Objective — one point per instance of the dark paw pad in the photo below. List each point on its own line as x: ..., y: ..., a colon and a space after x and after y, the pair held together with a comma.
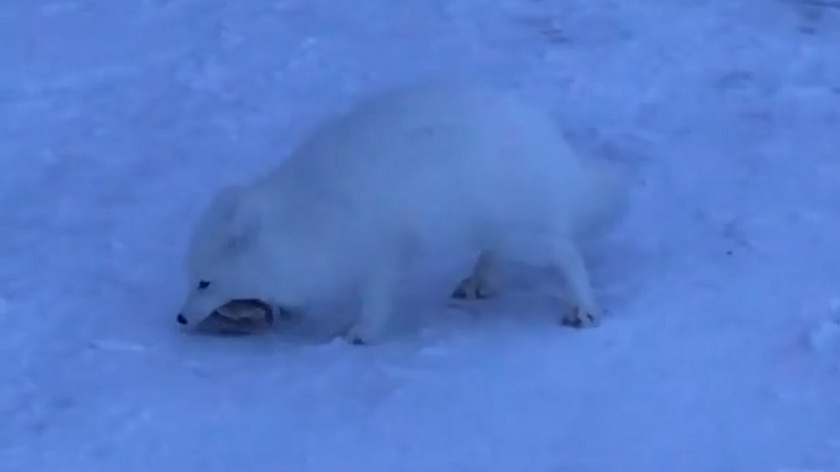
x: 459, y: 293
x: 469, y: 291
x: 572, y: 322
x: 580, y: 321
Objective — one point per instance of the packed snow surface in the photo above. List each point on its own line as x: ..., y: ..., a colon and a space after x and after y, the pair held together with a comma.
x: 720, y: 350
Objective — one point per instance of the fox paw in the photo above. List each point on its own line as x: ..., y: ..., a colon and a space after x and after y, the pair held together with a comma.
x: 472, y: 289
x: 357, y: 337
x: 578, y: 317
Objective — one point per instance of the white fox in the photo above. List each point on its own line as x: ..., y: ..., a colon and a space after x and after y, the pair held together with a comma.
x: 428, y: 166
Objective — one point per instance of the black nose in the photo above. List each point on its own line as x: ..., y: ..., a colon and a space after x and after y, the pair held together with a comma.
x: 180, y: 319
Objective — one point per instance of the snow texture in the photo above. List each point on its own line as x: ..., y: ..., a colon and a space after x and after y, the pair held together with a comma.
x: 720, y: 350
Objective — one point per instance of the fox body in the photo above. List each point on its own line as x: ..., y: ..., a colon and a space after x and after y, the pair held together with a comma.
x: 427, y: 166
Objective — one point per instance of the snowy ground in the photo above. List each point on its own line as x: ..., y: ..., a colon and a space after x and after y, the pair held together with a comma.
x: 721, y: 350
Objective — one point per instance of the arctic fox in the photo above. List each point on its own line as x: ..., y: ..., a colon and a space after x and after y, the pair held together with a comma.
x: 428, y: 166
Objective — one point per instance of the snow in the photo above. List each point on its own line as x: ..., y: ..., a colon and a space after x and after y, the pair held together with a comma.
x: 721, y: 348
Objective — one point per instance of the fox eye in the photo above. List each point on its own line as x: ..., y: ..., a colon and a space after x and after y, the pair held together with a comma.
x: 203, y: 284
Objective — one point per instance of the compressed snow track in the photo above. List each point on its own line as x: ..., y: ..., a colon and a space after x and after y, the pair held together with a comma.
x: 720, y: 351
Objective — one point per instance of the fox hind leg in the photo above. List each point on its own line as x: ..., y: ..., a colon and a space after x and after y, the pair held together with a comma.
x: 482, y: 283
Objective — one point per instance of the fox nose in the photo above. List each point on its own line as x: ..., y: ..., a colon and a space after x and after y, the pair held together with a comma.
x: 181, y: 319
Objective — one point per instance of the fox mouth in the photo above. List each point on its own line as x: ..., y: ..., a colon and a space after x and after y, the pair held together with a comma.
x: 239, y: 317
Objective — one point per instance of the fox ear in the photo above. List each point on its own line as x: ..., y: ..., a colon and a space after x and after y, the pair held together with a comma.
x: 239, y: 215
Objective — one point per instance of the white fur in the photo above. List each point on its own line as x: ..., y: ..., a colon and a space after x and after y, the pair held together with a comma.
x: 433, y: 166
